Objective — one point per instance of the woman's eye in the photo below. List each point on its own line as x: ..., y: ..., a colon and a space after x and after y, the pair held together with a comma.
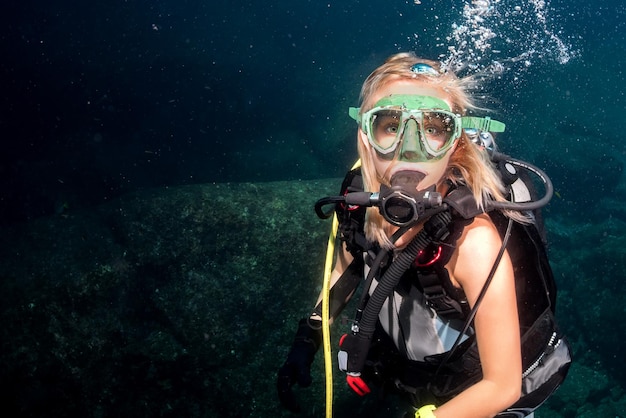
x: 387, y: 124
x: 392, y: 128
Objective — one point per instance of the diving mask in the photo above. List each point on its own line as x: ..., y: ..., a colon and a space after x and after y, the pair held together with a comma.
x: 397, y: 118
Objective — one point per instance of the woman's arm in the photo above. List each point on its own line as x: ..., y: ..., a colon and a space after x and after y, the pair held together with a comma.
x: 496, y: 323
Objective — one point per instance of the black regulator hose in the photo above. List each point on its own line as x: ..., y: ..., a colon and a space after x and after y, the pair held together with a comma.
x: 319, y: 205
x: 368, y: 199
x: 354, y: 198
x: 524, y: 206
x: 357, y: 344
x: 392, y: 276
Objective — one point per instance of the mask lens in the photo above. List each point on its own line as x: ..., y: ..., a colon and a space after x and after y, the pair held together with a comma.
x: 439, y: 130
x: 385, y: 124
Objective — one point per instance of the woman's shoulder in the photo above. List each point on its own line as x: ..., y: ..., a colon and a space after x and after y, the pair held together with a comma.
x: 481, y: 228
x: 476, y: 249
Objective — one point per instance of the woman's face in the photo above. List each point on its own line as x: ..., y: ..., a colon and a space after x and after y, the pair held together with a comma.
x: 433, y: 171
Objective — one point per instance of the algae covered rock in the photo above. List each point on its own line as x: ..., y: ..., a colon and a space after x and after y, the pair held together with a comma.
x: 180, y: 301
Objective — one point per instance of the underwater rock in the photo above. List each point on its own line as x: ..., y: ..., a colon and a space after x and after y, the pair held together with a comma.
x: 180, y: 301
x: 184, y: 301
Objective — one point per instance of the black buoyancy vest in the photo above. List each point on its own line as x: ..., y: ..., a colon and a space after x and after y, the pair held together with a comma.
x: 534, y: 281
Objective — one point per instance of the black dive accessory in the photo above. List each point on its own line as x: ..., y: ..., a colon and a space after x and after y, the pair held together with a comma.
x: 508, y: 168
x: 401, y: 204
x: 355, y: 346
x: 297, y: 368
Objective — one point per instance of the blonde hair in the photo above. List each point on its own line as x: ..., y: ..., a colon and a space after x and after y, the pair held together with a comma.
x: 468, y: 164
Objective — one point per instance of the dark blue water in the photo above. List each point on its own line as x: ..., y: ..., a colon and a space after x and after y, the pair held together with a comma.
x: 104, y: 98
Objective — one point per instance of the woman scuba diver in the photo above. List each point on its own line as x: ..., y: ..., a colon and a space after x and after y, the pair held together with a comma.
x: 457, y: 305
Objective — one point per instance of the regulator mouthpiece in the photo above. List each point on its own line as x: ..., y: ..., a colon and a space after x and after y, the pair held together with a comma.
x: 403, y: 204
x: 407, y: 179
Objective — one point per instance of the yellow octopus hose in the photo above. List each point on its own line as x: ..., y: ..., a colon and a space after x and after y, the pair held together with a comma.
x: 328, y: 268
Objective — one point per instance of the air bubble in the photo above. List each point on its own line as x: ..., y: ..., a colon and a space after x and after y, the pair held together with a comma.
x: 481, y: 31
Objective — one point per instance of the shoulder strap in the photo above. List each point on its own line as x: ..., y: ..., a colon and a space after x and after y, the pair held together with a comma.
x: 352, y: 218
x: 461, y: 199
x: 434, y: 278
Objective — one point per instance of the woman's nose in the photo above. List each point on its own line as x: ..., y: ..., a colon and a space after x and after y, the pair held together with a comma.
x: 411, y: 145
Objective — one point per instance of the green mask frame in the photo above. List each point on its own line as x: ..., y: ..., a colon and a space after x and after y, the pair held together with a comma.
x: 434, y: 140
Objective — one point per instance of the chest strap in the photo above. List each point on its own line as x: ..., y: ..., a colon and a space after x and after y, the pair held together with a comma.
x: 438, y: 297
x: 434, y: 280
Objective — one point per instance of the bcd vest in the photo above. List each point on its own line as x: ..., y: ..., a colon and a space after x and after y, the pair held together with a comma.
x: 545, y: 353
